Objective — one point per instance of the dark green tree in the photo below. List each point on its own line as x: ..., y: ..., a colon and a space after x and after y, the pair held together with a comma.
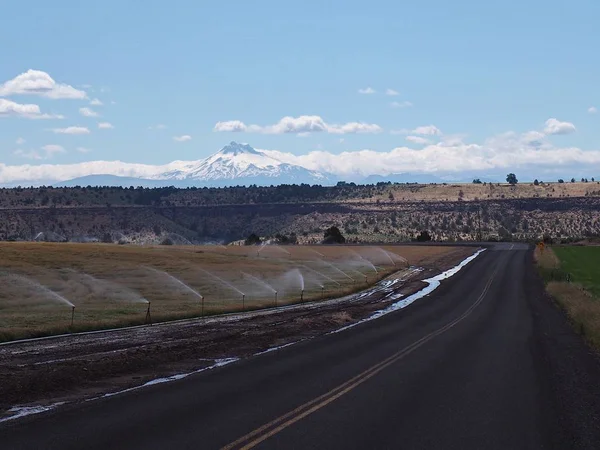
x: 333, y: 235
x: 253, y: 239
x: 424, y: 236
x: 511, y: 179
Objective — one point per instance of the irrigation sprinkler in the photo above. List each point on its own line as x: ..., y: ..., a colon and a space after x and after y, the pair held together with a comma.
x: 72, y: 315
x: 148, y: 316
x: 243, y: 302
x: 366, y: 279
x: 202, y: 303
x: 322, y: 292
x: 275, y: 298
x: 302, y: 295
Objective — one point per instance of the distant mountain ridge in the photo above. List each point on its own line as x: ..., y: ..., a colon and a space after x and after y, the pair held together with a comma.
x: 234, y: 164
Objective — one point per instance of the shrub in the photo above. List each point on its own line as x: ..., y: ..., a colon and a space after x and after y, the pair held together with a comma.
x: 333, y: 235
x: 253, y: 239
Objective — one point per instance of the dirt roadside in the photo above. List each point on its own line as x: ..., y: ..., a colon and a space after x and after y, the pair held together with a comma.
x: 72, y: 368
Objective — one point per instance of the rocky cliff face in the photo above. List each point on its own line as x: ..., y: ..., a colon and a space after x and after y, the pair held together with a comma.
x: 358, y: 221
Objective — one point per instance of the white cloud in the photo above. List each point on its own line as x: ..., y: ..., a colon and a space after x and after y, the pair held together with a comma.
x: 48, y: 151
x: 404, y: 104
x: 9, y: 108
x: 417, y: 140
x: 51, y: 149
x: 592, y: 110
x: 427, y: 130
x: 36, y: 82
x: 235, y: 126
x: 183, y: 138
x: 105, y: 125
x: 28, y: 154
x: 71, y: 130
x: 88, y: 112
x: 61, y: 172
x: 508, y: 152
x: 297, y: 125
x: 96, y: 102
x: 391, y: 92
x: 83, y: 150
x: 20, y: 141
x: 555, y: 126
x: 367, y: 91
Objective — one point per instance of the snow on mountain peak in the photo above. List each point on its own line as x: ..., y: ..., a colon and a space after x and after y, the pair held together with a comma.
x: 242, y: 162
x: 233, y: 148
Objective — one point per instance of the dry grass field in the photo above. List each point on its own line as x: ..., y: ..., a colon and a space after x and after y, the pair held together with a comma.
x: 489, y: 191
x: 111, y: 285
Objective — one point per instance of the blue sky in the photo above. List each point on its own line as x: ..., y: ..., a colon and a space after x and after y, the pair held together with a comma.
x: 475, y: 70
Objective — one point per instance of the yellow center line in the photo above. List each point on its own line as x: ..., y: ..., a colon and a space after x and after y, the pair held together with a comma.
x: 314, y: 405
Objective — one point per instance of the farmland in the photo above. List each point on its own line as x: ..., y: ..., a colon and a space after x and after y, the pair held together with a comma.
x: 580, y: 298
x: 48, y: 285
x: 583, y: 263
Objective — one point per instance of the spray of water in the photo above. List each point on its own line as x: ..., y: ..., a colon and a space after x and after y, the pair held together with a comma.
x: 226, y: 283
x: 274, y: 247
x: 299, y: 276
x: 318, y: 253
x: 40, y: 287
x: 132, y: 296
x: 337, y: 270
x: 396, y: 257
x: 178, y: 282
x: 320, y: 274
x: 358, y: 272
x: 365, y: 260
x: 386, y: 253
x: 260, y: 282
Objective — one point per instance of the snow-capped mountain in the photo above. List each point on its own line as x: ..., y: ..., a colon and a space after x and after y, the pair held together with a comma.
x: 234, y: 164
x: 240, y: 162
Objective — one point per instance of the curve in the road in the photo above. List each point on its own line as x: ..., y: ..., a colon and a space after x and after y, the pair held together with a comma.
x: 486, y: 362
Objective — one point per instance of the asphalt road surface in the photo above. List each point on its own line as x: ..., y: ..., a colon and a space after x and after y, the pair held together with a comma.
x: 485, y: 362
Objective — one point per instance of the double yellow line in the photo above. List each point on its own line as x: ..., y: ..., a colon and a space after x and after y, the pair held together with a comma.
x: 264, y: 432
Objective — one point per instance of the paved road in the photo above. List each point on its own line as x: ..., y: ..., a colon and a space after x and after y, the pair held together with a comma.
x: 484, y: 362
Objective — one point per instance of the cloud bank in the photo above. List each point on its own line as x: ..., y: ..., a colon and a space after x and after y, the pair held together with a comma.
x: 297, y: 125
x: 532, y: 152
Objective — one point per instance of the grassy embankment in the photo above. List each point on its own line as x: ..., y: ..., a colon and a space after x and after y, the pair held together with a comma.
x: 580, y: 297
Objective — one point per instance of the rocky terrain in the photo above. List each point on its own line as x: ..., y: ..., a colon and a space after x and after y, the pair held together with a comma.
x: 373, y: 213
